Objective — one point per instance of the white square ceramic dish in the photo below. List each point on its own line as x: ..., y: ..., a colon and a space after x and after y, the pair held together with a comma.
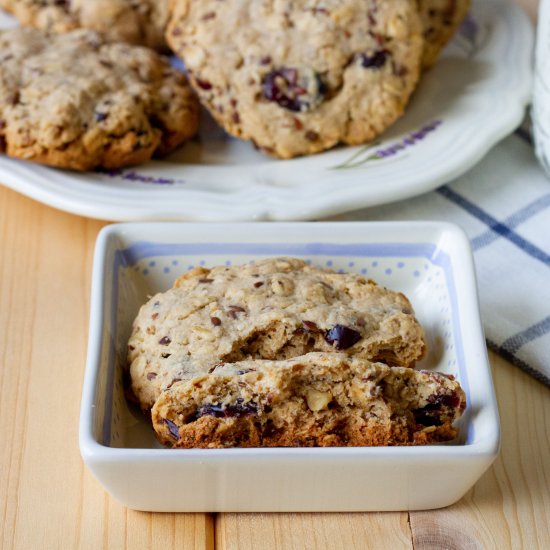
x: 430, y: 262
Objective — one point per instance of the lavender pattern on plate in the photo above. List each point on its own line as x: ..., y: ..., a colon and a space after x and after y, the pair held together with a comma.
x: 375, y: 152
x: 133, y: 176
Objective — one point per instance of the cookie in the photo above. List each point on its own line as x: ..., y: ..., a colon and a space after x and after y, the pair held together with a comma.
x: 275, y: 309
x: 140, y: 22
x: 74, y: 101
x: 295, y: 77
x: 318, y: 400
x: 441, y: 19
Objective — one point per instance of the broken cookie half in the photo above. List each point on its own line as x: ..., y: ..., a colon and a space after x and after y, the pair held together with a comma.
x: 319, y: 399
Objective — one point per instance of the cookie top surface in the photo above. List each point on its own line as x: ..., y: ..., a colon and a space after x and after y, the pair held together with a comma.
x: 298, y: 77
x: 274, y: 309
x: 139, y: 22
x: 76, y: 102
x: 315, y: 399
x: 441, y: 19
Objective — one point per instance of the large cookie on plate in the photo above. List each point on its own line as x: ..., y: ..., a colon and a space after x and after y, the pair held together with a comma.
x: 317, y: 400
x: 274, y: 309
x: 441, y: 19
x: 75, y: 101
x: 139, y: 22
x: 298, y: 77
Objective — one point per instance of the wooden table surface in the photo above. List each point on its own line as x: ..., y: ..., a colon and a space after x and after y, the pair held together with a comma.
x: 48, y: 499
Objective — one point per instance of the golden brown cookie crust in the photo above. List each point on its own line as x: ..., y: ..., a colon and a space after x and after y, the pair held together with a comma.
x: 74, y: 101
x: 140, y: 22
x: 297, y: 78
x: 320, y: 399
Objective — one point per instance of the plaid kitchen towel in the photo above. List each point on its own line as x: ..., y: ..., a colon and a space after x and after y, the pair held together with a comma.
x: 503, y: 204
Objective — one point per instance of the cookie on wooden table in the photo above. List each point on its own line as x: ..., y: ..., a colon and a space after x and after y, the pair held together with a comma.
x: 319, y: 399
x: 140, y: 22
x: 74, y: 101
x: 278, y: 308
x: 298, y: 77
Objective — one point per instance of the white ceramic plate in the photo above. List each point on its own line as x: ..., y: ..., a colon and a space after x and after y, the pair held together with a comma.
x: 472, y: 98
x: 430, y: 262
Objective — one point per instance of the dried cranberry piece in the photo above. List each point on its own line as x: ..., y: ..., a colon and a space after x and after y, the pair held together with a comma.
x: 238, y: 409
x: 203, y: 84
x: 293, y: 89
x: 342, y: 337
x: 211, y: 410
x: 430, y: 415
x: 241, y: 408
x: 451, y: 400
x: 375, y: 61
x: 427, y: 418
x: 172, y: 428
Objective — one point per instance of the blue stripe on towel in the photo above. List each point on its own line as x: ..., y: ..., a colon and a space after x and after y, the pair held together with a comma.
x: 514, y: 343
x: 513, y: 221
x: 496, y: 226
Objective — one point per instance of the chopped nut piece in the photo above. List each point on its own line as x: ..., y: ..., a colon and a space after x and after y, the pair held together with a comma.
x: 318, y: 400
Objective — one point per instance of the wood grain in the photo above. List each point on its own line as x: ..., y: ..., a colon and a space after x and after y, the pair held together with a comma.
x: 298, y: 531
x: 47, y: 498
x: 510, y: 506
